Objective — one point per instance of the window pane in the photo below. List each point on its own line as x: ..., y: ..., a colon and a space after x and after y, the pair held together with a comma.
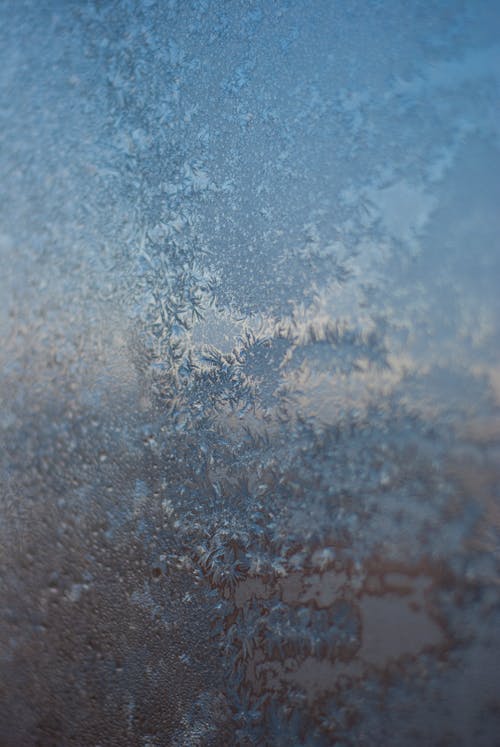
x: 250, y: 373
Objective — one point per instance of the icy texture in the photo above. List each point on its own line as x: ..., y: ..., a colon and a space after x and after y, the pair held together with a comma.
x: 250, y: 373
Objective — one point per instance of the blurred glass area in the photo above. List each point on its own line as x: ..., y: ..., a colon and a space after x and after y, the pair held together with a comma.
x: 250, y: 373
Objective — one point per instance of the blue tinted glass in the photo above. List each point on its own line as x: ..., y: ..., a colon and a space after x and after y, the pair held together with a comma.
x: 250, y: 373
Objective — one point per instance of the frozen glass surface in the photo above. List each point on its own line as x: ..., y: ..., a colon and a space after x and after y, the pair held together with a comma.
x: 250, y: 373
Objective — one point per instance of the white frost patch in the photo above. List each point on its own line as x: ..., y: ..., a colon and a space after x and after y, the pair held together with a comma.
x: 404, y: 209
